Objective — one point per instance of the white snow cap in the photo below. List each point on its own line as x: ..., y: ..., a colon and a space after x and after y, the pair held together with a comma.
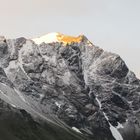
x: 48, y: 38
x: 57, y: 37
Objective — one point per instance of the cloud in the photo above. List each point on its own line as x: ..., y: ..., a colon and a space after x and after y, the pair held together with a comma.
x: 45, y: 7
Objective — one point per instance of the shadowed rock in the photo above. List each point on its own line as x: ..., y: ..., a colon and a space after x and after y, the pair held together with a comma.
x: 66, y: 85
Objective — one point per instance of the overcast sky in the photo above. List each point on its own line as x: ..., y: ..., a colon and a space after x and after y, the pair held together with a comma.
x: 114, y: 25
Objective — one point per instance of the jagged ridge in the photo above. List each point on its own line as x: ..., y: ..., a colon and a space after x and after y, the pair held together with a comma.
x: 72, y: 84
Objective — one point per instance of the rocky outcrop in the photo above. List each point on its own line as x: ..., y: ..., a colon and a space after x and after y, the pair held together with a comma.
x: 76, y: 86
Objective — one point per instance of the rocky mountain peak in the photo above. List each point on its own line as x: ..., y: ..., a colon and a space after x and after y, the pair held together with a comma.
x: 72, y: 86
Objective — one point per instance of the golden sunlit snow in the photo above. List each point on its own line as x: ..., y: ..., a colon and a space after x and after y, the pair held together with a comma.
x: 57, y: 37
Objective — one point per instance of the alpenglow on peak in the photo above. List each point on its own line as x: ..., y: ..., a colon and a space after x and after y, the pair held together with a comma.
x: 57, y: 37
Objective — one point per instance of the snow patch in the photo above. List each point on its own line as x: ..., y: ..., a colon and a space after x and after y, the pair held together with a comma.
x: 76, y: 129
x: 115, y: 133
x: 57, y: 37
x: 99, y: 103
x: 119, y: 126
x: 58, y: 104
x: 49, y: 38
x: 41, y: 96
x: 13, y: 105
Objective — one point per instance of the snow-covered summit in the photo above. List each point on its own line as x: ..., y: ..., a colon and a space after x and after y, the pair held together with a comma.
x: 57, y: 37
x: 48, y: 38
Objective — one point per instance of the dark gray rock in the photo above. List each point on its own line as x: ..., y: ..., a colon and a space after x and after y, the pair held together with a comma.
x: 75, y: 85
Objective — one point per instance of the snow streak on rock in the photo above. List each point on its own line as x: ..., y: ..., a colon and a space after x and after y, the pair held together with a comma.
x: 76, y: 129
x: 116, y: 134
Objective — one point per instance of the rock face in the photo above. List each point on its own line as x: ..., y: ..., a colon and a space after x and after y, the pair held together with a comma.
x: 73, y: 91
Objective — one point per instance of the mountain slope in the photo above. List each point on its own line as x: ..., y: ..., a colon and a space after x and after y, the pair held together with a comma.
x: 77, y: 89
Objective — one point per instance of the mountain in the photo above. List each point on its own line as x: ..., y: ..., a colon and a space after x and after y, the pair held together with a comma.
x: 59, y: 87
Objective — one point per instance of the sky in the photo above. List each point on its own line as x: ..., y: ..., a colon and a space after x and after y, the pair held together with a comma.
x: 113, y: 25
